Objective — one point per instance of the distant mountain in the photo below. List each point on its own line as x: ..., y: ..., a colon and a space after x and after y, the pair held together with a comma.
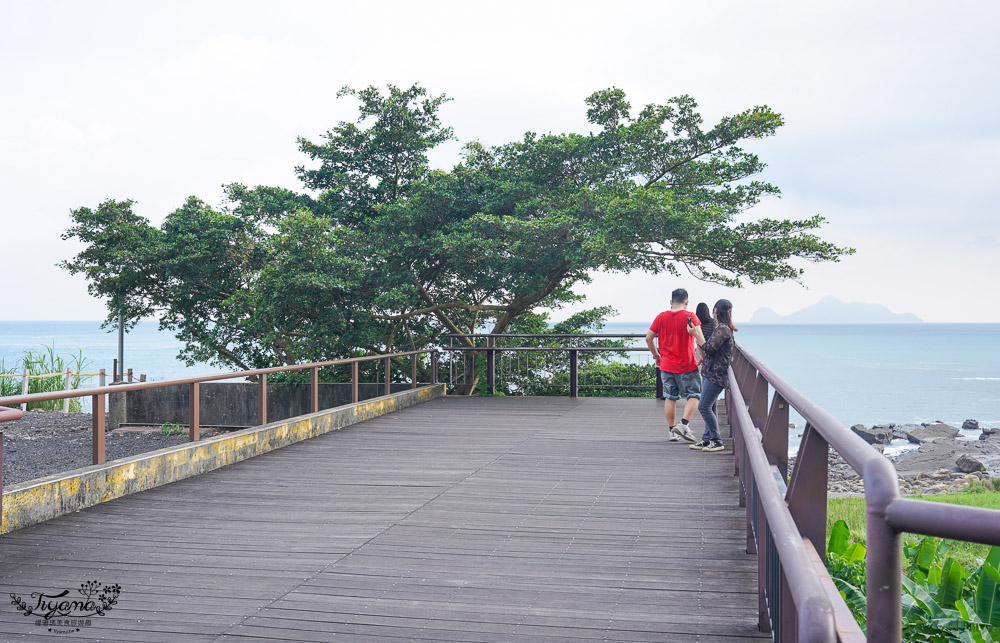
x: 831, y: 310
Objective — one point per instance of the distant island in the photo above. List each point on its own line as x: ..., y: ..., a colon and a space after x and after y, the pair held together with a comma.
x: 831, y: 310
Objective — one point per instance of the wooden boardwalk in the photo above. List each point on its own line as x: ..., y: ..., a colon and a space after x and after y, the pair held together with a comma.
x: 463, y: 519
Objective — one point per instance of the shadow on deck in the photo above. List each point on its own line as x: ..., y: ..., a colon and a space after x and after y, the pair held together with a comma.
x: 463, y: 519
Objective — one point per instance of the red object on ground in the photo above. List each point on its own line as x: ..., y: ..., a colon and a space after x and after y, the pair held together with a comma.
x: 6, y: 414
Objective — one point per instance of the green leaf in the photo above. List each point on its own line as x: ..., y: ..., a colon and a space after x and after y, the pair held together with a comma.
x: 923, y: 599
x: 924, y: 555
x: 855, y: 553
x: 951, y: 582
x: 987, y: 596
x: 840, y: 537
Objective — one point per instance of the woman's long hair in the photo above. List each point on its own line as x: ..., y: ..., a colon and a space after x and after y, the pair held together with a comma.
x: 724, y: 313
x: 703, y: 313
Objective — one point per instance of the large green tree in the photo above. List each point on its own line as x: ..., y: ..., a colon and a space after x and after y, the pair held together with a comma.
x: 379, y: 252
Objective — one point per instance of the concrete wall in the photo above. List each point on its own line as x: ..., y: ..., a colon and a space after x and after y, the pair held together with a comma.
x: 35, y: 501
x: 230, y: 403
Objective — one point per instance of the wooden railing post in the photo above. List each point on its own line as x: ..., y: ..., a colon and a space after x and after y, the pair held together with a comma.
x: 314, y: 390
x: 97, y: 426
x: 194, y: 412
x: 388, y: 375
x: 413, y: 371
x: 574, y: 373
x: 262, y: 398
x: 354, y: 381
x: 434, y: 367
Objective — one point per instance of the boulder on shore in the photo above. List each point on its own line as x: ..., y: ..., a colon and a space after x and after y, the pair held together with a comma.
x: 970, y: 425
x: 932, y: 433
x: 874, y: 435
x: 967, y: 464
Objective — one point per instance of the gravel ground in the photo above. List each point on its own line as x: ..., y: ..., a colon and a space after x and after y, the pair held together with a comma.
x: 44, y: 443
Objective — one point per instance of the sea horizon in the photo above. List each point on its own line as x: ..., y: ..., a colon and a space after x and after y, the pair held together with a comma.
x: 877, y: 373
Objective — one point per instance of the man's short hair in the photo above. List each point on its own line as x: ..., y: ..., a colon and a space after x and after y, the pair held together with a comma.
x: 678, y: 296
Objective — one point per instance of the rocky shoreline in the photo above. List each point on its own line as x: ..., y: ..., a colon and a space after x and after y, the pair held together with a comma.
x: 941, y: 462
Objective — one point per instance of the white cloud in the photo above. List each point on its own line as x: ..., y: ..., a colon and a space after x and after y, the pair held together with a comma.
x: 889, y: 106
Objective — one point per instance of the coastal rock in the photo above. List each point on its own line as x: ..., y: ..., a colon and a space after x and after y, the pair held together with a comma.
x: 968, y: 464
x: 970, y: 425
x: 902, y: 431
x: 874, y: 435
x: 932, y: 433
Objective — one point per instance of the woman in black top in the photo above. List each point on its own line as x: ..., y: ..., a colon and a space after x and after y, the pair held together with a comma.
x: 718, y: 352
x: 707, y: 325
x: 705, y: 317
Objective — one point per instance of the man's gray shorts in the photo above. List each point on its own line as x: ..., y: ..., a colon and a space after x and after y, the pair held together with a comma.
x: 675, y: 383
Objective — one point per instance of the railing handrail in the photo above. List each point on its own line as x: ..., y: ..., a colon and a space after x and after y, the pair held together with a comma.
x: 957, y: 522
x: 136, y: 386
x: 813, y: 608
x: 888, y: 514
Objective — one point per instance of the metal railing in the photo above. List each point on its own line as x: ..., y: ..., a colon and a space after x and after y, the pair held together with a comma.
x: 527, y: 369
x: 786, y: 527
x: 97, y: 394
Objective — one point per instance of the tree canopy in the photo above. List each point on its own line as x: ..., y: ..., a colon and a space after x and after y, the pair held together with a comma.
x: 379, y: 252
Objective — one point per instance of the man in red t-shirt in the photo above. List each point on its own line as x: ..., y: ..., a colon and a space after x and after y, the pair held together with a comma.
x: 674, y: 354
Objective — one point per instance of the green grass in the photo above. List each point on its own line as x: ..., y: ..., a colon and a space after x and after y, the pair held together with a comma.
x: 38, y: 363
x: 852, y: 511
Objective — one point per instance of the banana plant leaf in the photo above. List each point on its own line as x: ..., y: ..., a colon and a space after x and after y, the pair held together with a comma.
x: 840, y: 537
x: 951, y: 583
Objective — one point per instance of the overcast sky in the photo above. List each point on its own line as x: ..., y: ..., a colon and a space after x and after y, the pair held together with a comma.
x: 891, y: 128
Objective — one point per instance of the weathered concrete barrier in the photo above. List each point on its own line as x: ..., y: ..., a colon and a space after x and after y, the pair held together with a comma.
x: 39, y: 500
x: 231, y: 403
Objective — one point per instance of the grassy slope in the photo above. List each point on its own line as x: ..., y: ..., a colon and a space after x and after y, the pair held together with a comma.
x: 852, y: 511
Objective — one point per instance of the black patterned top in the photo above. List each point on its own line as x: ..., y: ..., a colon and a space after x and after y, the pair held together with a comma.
x: 718, y: 350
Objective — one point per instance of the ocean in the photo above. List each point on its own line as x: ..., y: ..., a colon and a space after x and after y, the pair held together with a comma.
x: 861, y: 373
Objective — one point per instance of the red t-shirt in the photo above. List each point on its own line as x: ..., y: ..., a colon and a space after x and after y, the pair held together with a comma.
x: 676, y: 345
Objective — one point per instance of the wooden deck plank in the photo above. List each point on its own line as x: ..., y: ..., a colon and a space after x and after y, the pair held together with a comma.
x: 464, y: 519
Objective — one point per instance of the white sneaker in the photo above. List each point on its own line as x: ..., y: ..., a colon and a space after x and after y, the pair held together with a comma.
x: 674, y: 436
x: 683, y: 432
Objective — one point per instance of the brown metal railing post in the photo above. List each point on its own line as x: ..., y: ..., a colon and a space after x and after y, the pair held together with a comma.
x: 262, y: 398
x: 789, y: 618
x: 659, y: 382
x: 434, y: 367
x: 491, y: 374
x: 413, y: 371
x: 775, y: 439
x: 97, y: 424
x: 354, y: 381
x: 194, y: 411
x: 883, y: 560
x: 750, y: 503
x: 388, y: 375
x: 757, y: 405
x: 314, y: 390
x: 574, y: 373
x: 806, y: 494
x: 763, y: 552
